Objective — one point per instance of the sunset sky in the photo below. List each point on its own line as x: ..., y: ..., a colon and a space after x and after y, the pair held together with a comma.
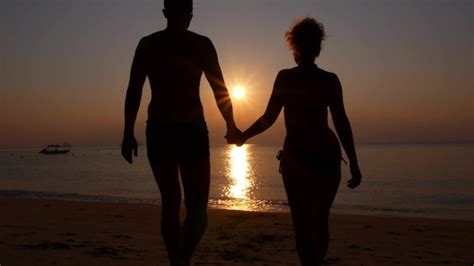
x: 407, y: 67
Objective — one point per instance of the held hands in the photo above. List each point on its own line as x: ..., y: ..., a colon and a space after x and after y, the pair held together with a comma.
x: 235, y: 136
x: 129, y: 147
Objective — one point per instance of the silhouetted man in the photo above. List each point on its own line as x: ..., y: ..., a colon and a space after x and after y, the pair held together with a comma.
x: 177, y: 138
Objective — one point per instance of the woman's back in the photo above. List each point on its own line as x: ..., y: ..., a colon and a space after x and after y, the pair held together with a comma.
x: 306, y: 93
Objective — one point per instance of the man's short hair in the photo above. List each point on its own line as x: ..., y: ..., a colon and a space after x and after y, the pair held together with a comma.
x: 178, y: 5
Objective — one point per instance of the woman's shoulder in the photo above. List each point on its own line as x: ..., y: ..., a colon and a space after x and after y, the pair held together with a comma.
x: 331, y: 80
x: 288, y: 74
x: 327, y: 74
x: 327, y: 77
x: 283, y: 74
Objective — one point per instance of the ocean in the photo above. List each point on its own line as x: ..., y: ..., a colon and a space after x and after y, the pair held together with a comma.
x: 416, y: 180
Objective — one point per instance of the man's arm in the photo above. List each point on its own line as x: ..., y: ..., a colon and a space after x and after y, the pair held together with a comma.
x: 132, y: 102
x: 213, y: 73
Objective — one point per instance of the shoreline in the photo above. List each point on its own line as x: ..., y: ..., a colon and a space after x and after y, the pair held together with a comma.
x: 49, y: 232
x: 273, y: 206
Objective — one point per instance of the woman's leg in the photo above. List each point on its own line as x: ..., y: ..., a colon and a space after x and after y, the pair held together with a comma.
x: 195, y: 175
x: 298, y: 186
x: 166, y: 176
x: 324, y: 195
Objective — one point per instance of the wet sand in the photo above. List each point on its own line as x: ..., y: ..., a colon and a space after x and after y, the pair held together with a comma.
x: 45, y: 232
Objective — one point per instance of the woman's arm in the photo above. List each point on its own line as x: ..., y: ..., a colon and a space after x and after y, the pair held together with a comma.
x: 344, y: 131
x: 275, y: 104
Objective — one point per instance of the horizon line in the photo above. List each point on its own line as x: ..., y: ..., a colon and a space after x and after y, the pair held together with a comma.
x: 375, y: 143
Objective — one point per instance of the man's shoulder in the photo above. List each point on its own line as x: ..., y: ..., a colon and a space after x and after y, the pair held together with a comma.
x: 192, y: 36
x: 204, y: 40
x: 196, y: 35
x: 153, y: 36
x: 285, y: 72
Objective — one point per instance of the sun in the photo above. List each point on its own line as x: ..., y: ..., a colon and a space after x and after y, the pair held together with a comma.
x: 238, y: 92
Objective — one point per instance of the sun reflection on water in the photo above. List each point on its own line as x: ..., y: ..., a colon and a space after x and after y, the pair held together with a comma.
x: 240, y: 178
x: 239, y: 173
x: 240, y: 188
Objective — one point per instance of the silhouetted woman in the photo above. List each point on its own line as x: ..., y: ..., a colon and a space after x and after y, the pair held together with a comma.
x: 310, y: 161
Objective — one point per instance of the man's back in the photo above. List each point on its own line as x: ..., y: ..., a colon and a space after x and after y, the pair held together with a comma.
x: 174, y: 63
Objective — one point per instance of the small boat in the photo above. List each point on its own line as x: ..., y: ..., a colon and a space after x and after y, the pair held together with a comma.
x: 55, y: 149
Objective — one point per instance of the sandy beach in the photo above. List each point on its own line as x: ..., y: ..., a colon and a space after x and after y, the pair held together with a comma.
x: 45, y: 232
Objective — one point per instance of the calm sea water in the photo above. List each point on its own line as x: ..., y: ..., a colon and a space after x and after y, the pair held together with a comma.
x: 405, y: 180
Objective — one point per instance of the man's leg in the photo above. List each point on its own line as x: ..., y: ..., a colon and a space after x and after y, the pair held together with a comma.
x: 166, y: 176
x: 195, y: 175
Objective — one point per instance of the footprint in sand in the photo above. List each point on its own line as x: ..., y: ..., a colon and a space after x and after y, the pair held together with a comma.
x: 47, y: 245
x: 122, y: 236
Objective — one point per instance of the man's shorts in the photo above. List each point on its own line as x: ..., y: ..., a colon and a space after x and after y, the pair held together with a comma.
x: 177, y: 141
